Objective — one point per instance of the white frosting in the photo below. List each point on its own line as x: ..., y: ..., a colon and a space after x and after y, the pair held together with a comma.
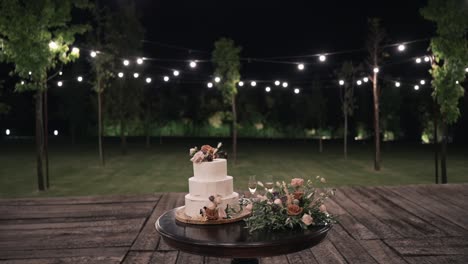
x: 198, y: 188
x: 193, y: 204
x: 215, y: 170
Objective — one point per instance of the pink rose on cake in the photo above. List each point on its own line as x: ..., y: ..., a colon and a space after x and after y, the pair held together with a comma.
x: 198, y: 157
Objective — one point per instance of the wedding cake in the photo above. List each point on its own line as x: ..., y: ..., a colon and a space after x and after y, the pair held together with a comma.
x: 211, y: 190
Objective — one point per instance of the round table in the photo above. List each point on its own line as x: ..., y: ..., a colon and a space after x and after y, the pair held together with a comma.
x: 234, y: 240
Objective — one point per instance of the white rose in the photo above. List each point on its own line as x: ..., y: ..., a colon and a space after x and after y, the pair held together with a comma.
x: 278, y: 202
x: 307, y: 219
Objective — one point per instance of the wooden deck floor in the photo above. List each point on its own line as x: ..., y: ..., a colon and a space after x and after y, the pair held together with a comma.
x: 409, y: 224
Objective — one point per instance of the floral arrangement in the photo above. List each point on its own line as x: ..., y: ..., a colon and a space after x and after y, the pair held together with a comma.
x: 214, y: 211
x: 206, y: 153
x: 298, y: 204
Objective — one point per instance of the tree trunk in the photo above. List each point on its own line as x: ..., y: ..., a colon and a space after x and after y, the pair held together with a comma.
x: 345, y: 139
x: 40, y: 140
x: 320, y: 144
x: 376, y: 122
x: 443, y: 161
x: 101, y: 150
x: 73, y: 133
x: 46, y: 137
x: 436, y: 148
x: 234, y: 129
x: 123, y: 137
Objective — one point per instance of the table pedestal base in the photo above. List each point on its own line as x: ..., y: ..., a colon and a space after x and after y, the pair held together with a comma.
x: 244, y: 261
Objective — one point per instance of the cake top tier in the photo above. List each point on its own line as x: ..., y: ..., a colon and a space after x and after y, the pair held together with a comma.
x: 210, y: 171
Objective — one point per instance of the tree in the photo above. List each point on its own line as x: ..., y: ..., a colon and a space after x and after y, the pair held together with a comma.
x: 4, y: 108
x: 36, y: 36
x: 449, y: 61
x: 374, y: 46
x: 226, y: 60
x: 347, y: 74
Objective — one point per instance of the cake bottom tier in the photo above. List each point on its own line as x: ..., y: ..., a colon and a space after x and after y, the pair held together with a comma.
x: 194, y: 204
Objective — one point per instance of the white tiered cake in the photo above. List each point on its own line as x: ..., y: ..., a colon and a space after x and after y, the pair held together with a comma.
x: 210, y: 178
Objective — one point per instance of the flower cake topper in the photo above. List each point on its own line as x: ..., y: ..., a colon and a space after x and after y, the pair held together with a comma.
x: 206, y: 153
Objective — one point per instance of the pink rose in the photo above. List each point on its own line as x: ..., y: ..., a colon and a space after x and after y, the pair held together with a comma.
x: 222, y: 214
x: 198, y: 157
x: 307, y: 219
x: 323, y: 208
x: 278, y: 202
x: 297, y: 182
x: 249, y: 207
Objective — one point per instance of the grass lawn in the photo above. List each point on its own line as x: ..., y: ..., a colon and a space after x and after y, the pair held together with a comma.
x: 75, y: 170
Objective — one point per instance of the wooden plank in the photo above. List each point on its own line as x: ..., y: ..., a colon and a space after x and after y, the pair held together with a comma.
x: 213, y: 260
x: 99, y: 199
x: 148, y: 238
x: 381, y: 252
x: 363, y: 216
x: 433, y: 246
x: 179, y: 201
x: 186, y: 258
x: 399, y: 218
x: 123, y: 210
x: 448, y: 227
x: 138, y: 257
x: 349, y: 248
x: 302, y: 257
x: 112, y: 252
x: 166, y: 257
x: 461, y: 259
x: 71, y: 260
x: 436, y: 206
x: 326, y: 253
x: 81, y: 224
x: 274, y: 260
x: 448, y: 195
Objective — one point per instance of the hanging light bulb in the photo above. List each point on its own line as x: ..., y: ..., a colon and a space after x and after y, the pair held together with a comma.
x: 166, y: 78
x: 401, y: 47
x: 120, y: 74
x: 210, y: 85
x: 359, y: 82
x: 466, y: 69
x: 56, y: 132
x: 75, y: 51
x: 193, y: 64
x: 422, y: 82
x: 285, y: 84
x: 136, y: 75
x: 253, y: 83
x: 148, y: 80
x: 53, y: 45
x: 376, y: 70
x: 139, y: 61
x: 341, y: 82
x: 397, y: 84
x: 22, y: 82
x: 176, y: 73
x: 416, y: 87
x: 457, y: 82
x: 297, y: 90
x: 322, y: 58
x: 59, y: 83
x: 93, y: 54
x: 217, y: 79
x: 126, y: 62
x: 241, y: 83
x: 277, y: 83
x: 300, y: 66
x: 426, y: 59
x: 418, y: 60
x: 60, y: 73
x: 267, y: 89
x: 30, y: 73
x: 365, y: 79
x: 7, y: 132
x: 79, y: 79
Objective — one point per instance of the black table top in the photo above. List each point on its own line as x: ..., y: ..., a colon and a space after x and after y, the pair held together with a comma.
x: 234, y: 240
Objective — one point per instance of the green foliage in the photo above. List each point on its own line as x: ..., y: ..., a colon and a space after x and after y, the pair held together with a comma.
x: 4, y: 108
x: 348, y: 73
x: 390, y: 109
x: 26, y: 30
x: 226, y: 59
x: 450, y: 51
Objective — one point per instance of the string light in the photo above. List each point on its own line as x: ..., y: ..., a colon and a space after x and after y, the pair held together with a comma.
x: 193, y: 64
x: 466, y: 69
x: 79, y: 79
x: 55, y: 132
x: 126, y: 62
x: 457, y: 82
x: 136, y: 75
x: 376, y: 70
x: 210, y: 85
x: 139, y: 61
x: 148, y: 80
x: 426, y: 59
x: 253, y: 83
x: 277, y: 83
x: 341, y: 82
x: 166, y: 78
x: 217, y: 79
x: 365, y: 79
x: 176, y: 73
x: 297, y: 91
x: 416, y: 87
x: 241, y: 83
x: 401, y: 47
x: 22, y: 82
x: 29, y: 73
x: 60, y: 73
x: 59, y: 83
x: 285, y: 84
x: 359, y: 82
x: 418, y: 60
x: 75, y: 51
x: 300, y: 66
x: 322, y: 58
x: 7, y: 132
x: 93, y: 54
x: 267, y: 89
x: 422, y: 82
x: 53, y: 45
x: 397, y: 84
x: 120, y: 74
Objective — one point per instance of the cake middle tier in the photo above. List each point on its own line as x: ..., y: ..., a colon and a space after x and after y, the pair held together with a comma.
x: 203, y: 188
